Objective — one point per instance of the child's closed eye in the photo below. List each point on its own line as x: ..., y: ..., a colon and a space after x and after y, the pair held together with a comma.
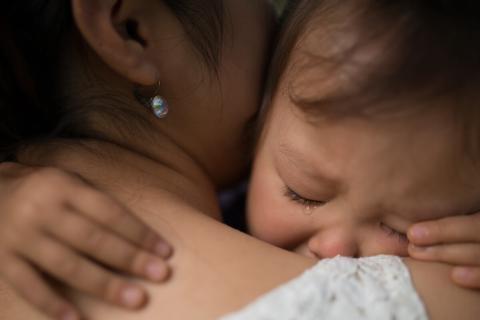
x: 292, y: 195
x: 295, y: 197
x: 391, y: 232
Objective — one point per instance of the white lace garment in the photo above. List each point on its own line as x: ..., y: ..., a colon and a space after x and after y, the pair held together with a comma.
x: 342, y: 288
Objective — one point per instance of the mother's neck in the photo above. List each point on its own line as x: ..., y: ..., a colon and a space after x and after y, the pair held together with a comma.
x: 132, y: 171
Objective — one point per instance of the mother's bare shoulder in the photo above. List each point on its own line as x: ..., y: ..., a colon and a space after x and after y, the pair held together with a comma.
x: 443, y: 299
x: 216, y: 270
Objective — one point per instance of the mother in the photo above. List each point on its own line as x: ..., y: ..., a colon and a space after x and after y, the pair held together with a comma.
x: 87, y: 108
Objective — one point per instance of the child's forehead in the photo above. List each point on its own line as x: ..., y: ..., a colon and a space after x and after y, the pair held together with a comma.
x: 343, y: 62
x: 417, y: 171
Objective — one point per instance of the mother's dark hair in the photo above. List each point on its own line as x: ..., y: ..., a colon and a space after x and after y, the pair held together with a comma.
x: 34, y: 34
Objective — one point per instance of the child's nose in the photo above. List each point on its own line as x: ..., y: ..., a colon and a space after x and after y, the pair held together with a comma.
x: 331, y: 243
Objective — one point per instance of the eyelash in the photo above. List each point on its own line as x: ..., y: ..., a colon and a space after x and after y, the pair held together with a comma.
x: 401, y: 237
x: 309, y: 203
x: 295, y: 197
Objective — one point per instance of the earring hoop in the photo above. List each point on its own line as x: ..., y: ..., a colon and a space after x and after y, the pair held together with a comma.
x: 154, y: 102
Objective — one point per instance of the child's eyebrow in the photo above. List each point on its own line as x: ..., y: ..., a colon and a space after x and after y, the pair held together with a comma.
x: 295, y: 160
x: 434, y: 212
x: 422, y: 215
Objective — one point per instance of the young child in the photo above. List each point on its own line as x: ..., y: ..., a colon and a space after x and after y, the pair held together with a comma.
x: 372, y: 128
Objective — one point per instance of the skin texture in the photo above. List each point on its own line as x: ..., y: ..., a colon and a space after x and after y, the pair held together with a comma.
x: 328, y: 184
x: 216, y: 269
x: 231, y: 268
x: 209, y: 256
x: 75, y: 233
x: 201, y: 142
x: 453, y: 240
x: 369, y: 181
x: 406, y: 163
x: 203, y: 103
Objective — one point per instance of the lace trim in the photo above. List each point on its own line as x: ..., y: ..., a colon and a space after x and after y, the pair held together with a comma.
x: 342, y: 288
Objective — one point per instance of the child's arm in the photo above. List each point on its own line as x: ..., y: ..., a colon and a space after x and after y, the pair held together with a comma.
x: 454, y: 240
x: 52, y: 223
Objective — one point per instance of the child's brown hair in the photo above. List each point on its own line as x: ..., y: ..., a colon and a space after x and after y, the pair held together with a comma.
x: 382, y: 55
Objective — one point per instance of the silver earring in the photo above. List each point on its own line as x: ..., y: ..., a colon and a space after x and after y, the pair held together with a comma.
x: 155, y: 102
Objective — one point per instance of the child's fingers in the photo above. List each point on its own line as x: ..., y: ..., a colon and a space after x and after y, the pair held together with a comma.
x: 113, y: 215
x: 458, y: 254
x: 29, y: 284
x: 467, y: 277
x: 81, y: 274
x: 106, y: 247
x: 446, y: 230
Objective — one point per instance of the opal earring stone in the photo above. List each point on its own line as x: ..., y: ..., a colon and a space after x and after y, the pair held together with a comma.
x: 159, y: 107
x: 149, y: 97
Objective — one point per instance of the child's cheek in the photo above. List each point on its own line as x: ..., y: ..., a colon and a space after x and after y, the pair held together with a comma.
x: 267, y: 227
x: 268, y: 217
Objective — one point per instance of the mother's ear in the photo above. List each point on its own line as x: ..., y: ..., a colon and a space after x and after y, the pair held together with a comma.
x: 106, y: 25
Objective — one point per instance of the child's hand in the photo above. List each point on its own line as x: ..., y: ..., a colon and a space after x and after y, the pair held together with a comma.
x: 454, y: 240
x: 53, y: 223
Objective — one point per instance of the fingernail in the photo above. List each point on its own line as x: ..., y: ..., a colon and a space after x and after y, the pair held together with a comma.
x: 156, y: 271
x: 419, y: 232
x: 462, y: 274
x: 163, y: 249
x: 132, y: 297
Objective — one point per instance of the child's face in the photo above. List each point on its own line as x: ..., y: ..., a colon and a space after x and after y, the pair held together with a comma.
x: 352, y: 186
